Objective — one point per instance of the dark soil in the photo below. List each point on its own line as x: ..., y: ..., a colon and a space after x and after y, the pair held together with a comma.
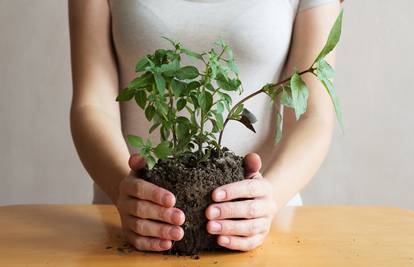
x: 192, y: 184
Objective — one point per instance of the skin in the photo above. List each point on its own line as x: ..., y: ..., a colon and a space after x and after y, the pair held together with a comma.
x: 96, y: 131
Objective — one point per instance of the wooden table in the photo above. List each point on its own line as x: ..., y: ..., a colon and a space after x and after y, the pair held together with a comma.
x: 89, y: 235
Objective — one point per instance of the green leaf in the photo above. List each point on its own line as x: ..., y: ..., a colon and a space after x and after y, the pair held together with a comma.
x: 299, y: 94
x: 135, y: 141
x: 215, y: 128
x: 210, y: 87
x: 141, y: 98
x: 187, y: 72
x: 159, y: 56
x: 332, y: 93
x: 154, y: 126
x: 191, y: 54
x: 279, y: 126
x: 178, y: 87
x: 193, y: 119
x: 286, y: 97
x: 333, y: 37
x: 213, y: 68
x: 232, y: 65
x: 226, y: 83
x: 238, y: 111
x: 160, y: 83
x: 226, y: 98
x: 220, y: 42
x: 142, y: 63
x: 164, y: 132
x: 250, y: 116
x: 205, y: 100
x: 219, y: 120
x: 126, y: 94
x: 151, y: 64
x: 170, y: 68
x: 182, y: 120
x: 163, y: 150
x: 181, y: 104
x: 151, y: 161
x: 229, y: 52
x: 219, y: 107
x: 162, y: 108
x: 149, y: 112
x: 325, y: 69
x: 192, y: 86
x: 183, y: 127
x: 247, y: 119
x: 142, y: 81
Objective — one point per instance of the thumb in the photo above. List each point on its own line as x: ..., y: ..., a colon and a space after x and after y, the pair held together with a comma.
x: 136, y: 162
x: 252, y: 164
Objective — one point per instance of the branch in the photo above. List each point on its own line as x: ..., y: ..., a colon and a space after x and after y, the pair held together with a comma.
x: 261, y: 90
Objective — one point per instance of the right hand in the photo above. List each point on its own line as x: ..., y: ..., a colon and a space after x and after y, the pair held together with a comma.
x: 139, y: 204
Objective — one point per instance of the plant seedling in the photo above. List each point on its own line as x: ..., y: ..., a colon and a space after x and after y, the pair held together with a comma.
x: 164, y: 89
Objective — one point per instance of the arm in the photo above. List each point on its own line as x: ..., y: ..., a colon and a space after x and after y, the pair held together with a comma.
x: 95, y: 116
x: 296, y: 159
x: 96, y: 131
x: 305, y: 142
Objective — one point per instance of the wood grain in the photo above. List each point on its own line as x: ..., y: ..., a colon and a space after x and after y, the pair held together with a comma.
x: 89, y: 235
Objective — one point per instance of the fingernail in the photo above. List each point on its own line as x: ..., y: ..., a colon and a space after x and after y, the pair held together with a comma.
x: 175, y: 233
x: 215, y: 227
x: 165, y: 244
x: 167, y: 200
x: 214, y: 212
x: 224, y: 240
x: 220, y: 195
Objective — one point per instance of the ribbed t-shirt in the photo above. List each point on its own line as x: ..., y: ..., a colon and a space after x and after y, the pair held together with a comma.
x: 258, y: 31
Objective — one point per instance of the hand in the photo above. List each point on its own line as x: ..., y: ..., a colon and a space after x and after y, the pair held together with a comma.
x: 139, y: 204
x: 257, y: 212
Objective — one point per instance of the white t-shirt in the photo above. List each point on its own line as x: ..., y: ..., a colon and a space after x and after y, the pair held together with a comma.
x: 258, y: 31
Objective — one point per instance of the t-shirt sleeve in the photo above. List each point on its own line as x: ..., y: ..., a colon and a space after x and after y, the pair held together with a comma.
x: 306, y: 4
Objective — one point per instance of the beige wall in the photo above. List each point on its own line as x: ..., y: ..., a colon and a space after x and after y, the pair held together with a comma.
x: 373, y: 162
x: 370, y: 164
x: 37, y: 161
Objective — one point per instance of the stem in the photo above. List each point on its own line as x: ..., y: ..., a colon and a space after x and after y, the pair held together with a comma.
x: 200, y: 143
x: 172, y: 108
x: 261, y: 90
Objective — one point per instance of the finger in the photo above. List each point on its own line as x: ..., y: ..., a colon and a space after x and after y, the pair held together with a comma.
x: 249, y: 188
x: 147, y: 243
x: 241, y: 209
x: 252, y: 164
x: 241, y: 228
x: 139, y: 188
x: 148, y: 210
x: 241, y: 243
x: 155, y: 229
x: 136, y: 162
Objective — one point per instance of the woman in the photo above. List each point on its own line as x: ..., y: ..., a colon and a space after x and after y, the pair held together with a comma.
x: 270, y: 38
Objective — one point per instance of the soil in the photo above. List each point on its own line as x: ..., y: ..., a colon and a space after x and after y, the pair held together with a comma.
x: 192, y: 183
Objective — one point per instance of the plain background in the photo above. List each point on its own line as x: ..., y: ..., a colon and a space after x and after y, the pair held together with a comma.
x: 371, y: 164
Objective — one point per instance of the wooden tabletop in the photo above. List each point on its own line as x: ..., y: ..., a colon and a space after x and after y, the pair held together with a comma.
x: 89, y: 235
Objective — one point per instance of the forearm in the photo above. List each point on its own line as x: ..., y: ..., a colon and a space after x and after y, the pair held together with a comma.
x: 101, y: 147
x: 298, y: 158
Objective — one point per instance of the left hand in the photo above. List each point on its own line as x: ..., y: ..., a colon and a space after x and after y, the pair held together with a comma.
x: 257, y: 211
